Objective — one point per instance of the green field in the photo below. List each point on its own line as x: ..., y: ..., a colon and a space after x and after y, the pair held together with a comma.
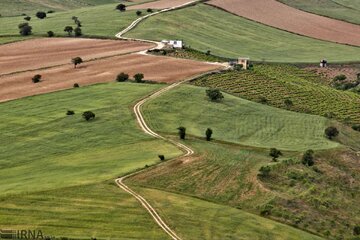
x: 103, y: 21
x: 276, y: 83
x: 236, y: 120
x: 232, y: 36
x: 346, y: 10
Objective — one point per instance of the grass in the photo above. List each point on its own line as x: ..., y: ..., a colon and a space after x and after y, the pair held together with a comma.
x: 44, y: 149
x: 11, y: 39
x: 276, y: 83
x: 231, y: 36
x: 99, y: 21
x: 236, y: 120
x: 340, y: 9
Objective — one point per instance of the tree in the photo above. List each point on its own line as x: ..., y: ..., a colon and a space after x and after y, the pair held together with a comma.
x: 208, y: 134
x: 50, y: 33
x: 76, y: 85
x: 122, y: 77
x: 331, y: 132
x: 36, y: 78
x: 88, y: 115
x: 77, y: 32
x: 121, y: 7
x: 69, y: 30
x: 138, y: 12
x: 41, y: 15
x: 308, y: 158
x: 275, y: 153
x: 25, y: 29
x: 27, y: 18
x: 162, y: 157
x: 149, y: 10
x: 70, y: 112
x: 288, y: 102
x: 76, y: 61
x: 139, y: 77
x: 356, y: 230
x: 182, y: 132
x: 264, y: 171
x: 214, y: 94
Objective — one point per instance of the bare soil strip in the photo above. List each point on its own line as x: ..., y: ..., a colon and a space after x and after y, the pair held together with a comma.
x: 48, y: 52
x: 276, y: 14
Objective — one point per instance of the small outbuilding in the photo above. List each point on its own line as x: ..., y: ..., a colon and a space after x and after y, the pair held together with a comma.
x: 323, y: 63
x: 173, y: 43
x: 244, y: 61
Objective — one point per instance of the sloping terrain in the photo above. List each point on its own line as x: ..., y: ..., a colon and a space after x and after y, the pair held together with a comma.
x: 231, y: 36
x: 293, y: 20
x: 342, y: 10
x: 160, y: 4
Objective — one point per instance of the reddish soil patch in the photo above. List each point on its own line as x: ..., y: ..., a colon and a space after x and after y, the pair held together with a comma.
x: 276, y: 14
x: 161, y: 4
x: 47, y: 52
x: 156, y: 68
x: 329, y: 73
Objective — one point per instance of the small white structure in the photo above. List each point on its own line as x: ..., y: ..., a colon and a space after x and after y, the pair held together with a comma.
x: 244, y: 61
x: 173, y: 43
x: 323, y: 63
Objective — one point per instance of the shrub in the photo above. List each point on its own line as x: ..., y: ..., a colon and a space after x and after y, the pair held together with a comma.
x: 264, y: 171
x: 308, y: 158
x: 88, y: 115
x: 69, y: 30
x: 76, y: 85
x: 36, y: 78
x: 208, y: 134
x: 41, y: 15
x: 182, y: 132
x: 78, y: 32
x: 356, y: 127
x: 139, y: 77
x: 263, y: 100
x: 214, y: 94
x: 76, y: 61
x: 50, y: 33
x: 51, y: 11
x: 149, y: 10
x: 122, y: 77
x: 27, y: 18
x: 275, y: 153
x: 25, y: 29
x: 331, y: 132
x: 162, y: 157
x: 121, y: 7
x: 208, y: 52
x: 356, y: 230
x: 340, y: 77
x: 288, y: 103
x: 138, y: 12
x: 70, y: 112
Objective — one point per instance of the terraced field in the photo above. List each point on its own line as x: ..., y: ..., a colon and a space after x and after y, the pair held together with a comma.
x: 276, y: 83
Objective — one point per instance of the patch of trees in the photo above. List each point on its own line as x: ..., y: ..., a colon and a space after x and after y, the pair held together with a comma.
x: 137, y: 78
x: 214, y: 94
x: 88, y: 115
x: 25, y: 29
x: 331, y: 132
x: 69, y: 30
x: 182, y: 132
x: 275, y: 154
x: 121, y: 7
x: 36, y: 78
x: 77, y: 30
x: 76, y: 61
x: 41, y: 15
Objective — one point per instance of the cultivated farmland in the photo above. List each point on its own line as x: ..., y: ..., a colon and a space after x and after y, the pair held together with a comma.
x: 160, y: 4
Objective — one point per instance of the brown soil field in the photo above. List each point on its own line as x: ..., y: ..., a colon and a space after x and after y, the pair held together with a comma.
x: 47, y: 52
x: 276, y: 14
x: 156, y: 68
x: 161, y: 4
x: 329, y: 73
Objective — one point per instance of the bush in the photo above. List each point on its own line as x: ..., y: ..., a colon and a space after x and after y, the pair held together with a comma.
x: 139, y: 77
x: 70, y: 112
x: 214, y: 94
x: 356, y: 127
x: 308, y: 158
x: 88, y: 115
x: 208, y: 134
x: 69, y: 30
x: 27, y: 18
x: 264, y: 171
x: 149, y: 10
x: 138, y: 12
x: 25, y: 29
x: 331, y: 132
x: 340, y: 77
x: 356, y: 230
x: 275, y: 153
x: 122, y: 77
x: 121, y: 7
x: 182, y: 132
x: 50, y: 33
x: 263, y: 100
x: 78, y: 32
x: 162, y: 157
x: 36, y: 78
x: 76, y: 85
x: 76, y: 61
x: 41, y: 15
x: 288, y: 103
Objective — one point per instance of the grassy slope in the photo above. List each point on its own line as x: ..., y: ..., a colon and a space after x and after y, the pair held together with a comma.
x: 45, y: 146
x: 277, y: 83
x: 232, y: 36
x: 236, y: 120
x: 343, y: 10
x: 101, y: 20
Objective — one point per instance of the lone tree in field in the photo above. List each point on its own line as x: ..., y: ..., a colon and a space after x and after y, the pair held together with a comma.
x: 69, y: 30
x: 162, y: 157
x: 149, y: 10
x: 76, y: 85
x: 27, y: 18
x: 25, y: 29
x: 139, y: 77
x: 88, y: 115
x: 308, y: 158
x: 122, y: 77
x: 50, y: 33
x: 76, y: 61
x: 41, y: 15
x: 121, y: 7
x: 275, y: 154
x: 214, y: 94
x: 36, y: 78
x: 208, y: 134
x: 78, y: 32
x: 138, y: 12
x: 331, y: 132
x: 182, y: 132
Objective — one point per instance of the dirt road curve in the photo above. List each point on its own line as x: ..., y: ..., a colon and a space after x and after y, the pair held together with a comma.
x: 276, y: 14
x: 161, y: 4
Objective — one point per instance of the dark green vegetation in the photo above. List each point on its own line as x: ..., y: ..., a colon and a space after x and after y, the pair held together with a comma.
x: 232, y: 36
x: 347, y: 10
x: 236, y: 120
x: 274, y: 84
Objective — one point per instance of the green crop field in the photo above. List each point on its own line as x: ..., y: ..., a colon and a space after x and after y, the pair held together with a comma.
x: 347, y: 10
x: 102, y: 21
x: 236, y: 120
x: 232, y: 36
x: 276, y: 83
